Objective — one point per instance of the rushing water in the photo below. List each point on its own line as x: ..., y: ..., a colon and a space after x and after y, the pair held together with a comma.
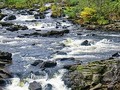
x: 26, y: 50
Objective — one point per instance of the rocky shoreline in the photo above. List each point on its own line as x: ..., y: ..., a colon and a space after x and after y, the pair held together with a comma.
x: 97, y: 75
x: 5, y: 60
x: 109, y: 27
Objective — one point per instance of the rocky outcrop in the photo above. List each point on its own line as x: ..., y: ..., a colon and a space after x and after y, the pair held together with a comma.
x: 98, y: 75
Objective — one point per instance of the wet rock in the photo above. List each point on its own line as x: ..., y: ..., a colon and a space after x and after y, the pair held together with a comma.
x: 5, y: 74
x: 2, y: 83
x: 37, y: 62
x: 67, y: 59
x: 5, y: 56
x: 39, y: 16
x: 55, y: 33
x: 16, y: 28
x: 2, y: 16
x: 116, y: 54
x: 5, y: 59
x: 91, y: 34
x: 35, y: 86
x: 10, y: 17
x: 48, y: 33
x: 48, y: 64
x: 5, y: 24
x: 61, y: 53
x: 48, y: 87
x: 86, y: 43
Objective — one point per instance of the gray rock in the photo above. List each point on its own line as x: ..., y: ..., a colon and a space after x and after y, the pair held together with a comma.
x: 35, y: 86
x: 86, y: 43
x: 48, y: 64
x: 48, y: 87
x: 10, y: 17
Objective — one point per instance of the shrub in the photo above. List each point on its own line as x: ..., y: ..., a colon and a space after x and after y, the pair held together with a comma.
x: 87, y: 14
x: 56, y: 10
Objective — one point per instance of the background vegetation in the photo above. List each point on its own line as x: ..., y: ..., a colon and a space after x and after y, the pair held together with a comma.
x: 81, y: 11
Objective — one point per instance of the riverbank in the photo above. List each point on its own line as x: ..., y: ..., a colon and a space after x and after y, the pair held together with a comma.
x: 97, y: 75
x: 115, y: 26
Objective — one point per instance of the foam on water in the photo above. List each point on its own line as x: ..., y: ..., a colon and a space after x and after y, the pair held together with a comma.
x: 56, y: 82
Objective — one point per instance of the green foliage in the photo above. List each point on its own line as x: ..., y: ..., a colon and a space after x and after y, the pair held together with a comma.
x: 102, y: 21
x: 93, y: 11
x: 56, y: 10
x: 71, y: 12
x: 87, y: 14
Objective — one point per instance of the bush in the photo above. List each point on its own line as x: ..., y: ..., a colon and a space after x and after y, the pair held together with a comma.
x: 71, y: 12
x: 87, y: 14
x: 56, y: 10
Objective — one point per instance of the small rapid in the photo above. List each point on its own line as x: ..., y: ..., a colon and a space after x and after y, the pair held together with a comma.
x: 82, y: 45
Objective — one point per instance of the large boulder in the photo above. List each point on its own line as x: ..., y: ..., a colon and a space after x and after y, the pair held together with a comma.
x: 10, y: 17
x: 35, y: 86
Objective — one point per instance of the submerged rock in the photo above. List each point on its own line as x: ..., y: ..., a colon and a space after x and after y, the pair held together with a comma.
x: 16, y: 28
x: 10, y: 17
x: 39, y: 16
x: 35, y: 86
x: 37, y: 62
x: 6, y: 24
x: 54, y: 33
